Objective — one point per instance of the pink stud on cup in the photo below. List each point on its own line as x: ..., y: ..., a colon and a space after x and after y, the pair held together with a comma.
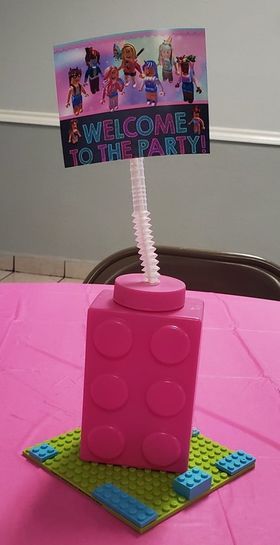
x: 165, y: 398
x: 106, y: 442
x: 161, y: 449
x: 109, y: 392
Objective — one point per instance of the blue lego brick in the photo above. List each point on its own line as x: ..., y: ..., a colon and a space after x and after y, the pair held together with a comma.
x: 192, y: 483
x: 235, y: 462
x: 43, y: 452
x: 195, y: 432
x: 124, y: 504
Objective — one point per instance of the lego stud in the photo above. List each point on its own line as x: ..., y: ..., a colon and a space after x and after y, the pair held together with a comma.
x: 170, y: 345
x: 165, y: 398
x: 109, y: 392
x: 106, y: 442
x: 161, y: 449
x: 120, y: 338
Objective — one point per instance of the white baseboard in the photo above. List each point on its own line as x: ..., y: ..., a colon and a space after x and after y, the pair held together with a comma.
x: 247, y: 136
x: 29, y: 118
x: 222, y: 134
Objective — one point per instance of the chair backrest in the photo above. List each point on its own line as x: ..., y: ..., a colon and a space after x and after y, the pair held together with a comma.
x: 237, y: 274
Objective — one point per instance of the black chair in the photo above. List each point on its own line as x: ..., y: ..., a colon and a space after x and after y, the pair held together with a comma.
x: 218, y: 272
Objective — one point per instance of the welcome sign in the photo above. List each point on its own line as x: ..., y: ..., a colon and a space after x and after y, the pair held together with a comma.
x: 137, y: 94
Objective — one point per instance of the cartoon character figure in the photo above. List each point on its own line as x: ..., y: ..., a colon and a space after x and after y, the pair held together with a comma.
x: 92, y: 60
x: 75, y: 90
x: 185, y: 68
x: 151, y: 82
x: 74, y: 133
x: 129, y: 63
x: 198, y: 123
x: 113, y: 84
x: 165, y: 59
x: 117, y: 55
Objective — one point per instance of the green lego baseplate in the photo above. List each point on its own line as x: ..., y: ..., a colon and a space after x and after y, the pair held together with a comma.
x: 153, y: 488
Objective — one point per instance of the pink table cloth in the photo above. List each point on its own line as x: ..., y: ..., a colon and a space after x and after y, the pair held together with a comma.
x: 42, y: 340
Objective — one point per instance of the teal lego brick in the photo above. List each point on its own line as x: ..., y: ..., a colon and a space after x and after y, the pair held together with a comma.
x: 192, y: 483
x: 43, y: 452
x: 195, y: 432
x: 235, y: 462
x: 124, y: 504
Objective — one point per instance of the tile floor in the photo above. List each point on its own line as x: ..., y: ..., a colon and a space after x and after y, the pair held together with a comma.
x: 40, y: 268
x: 8, y: 276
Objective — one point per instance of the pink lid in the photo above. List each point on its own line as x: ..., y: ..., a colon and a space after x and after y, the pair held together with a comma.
x: 132, y: 291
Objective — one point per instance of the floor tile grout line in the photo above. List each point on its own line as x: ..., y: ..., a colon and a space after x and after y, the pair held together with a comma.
x: 80, y: 267
x: 10, y: 273
x: 80, y: 273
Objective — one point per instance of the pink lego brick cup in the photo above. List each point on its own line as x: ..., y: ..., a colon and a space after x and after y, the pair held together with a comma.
x: 142, y: 351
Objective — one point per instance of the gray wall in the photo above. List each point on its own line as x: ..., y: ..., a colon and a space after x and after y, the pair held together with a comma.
x: 229, y: 200
x: 226, y: 201
x: 242, y: 45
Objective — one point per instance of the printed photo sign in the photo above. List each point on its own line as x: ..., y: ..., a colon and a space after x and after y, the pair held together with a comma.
x: 137, y: 94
